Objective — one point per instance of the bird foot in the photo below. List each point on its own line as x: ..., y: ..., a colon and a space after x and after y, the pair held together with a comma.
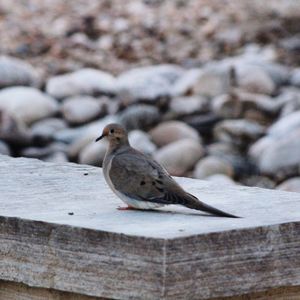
x: 126, y: 208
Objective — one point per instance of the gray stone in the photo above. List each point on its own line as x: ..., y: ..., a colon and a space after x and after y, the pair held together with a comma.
x: 184, y: 85
x: 68, y: 236
x: 257, y: 149
x: 27, y: 104
x: 4, y: 148
x: 254, y: 80
x: 183, y: 106
x: 56, y: 157
x: 238, y: 132
x: 213, y: 81
x: 212, y: 165
x: 180, y: 156
x: 81, y: 110
x: 240, y: 104
x: 295, y: 78
x: 290, y: 185
x: 285, y: 125
x: 148, y: 83
x: 46, y: 129
x: 43, y: 152
x: 14, y: 71
x: 291, y: 97
x: 13, y: 131
x: 171, y: 131
x: 82, y: 82
x: 140, y: 116
x: 220, y: 179
x: 141, y: 141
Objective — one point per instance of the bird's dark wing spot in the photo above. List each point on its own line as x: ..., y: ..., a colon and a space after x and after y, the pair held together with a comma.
x: 142, y: 182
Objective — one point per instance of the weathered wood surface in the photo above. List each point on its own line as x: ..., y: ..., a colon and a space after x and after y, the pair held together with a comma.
x: 172, y: 254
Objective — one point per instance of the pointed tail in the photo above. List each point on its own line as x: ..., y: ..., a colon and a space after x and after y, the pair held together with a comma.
x: 194, y: 203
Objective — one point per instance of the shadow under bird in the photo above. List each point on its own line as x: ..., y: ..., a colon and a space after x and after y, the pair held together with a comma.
x: 141, y: 182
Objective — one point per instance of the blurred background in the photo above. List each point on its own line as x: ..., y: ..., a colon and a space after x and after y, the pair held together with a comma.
x: 209, y: 88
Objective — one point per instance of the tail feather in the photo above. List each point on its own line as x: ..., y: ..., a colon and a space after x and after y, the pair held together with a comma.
x: 194, y: 203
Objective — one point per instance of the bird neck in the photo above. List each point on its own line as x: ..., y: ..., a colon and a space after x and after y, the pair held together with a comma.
x: 116, y: 144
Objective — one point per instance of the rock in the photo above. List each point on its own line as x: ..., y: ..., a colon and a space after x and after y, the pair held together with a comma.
x: 295, y: 78
x: 259, y: 181
x: 212, y: 81
x: 290, y: 185
x: 279, y: 73
x: 203, y: 123
x: 140, y: 116
x: 179, y: 156
x: 212, y: 165
x: 282, y: 158
x: 27, y: 104
x: 148, y: 83
x: 4, y: 148
x: 291, y: 97
x: 238, y: 132
x: 255, y: 80
x: 220, y: 179
x: 82, y: 82
x: 13, y: 131
x: 81, y: 110
x: 43, y: 152
x: 45, y: 130
x: 141, y: 141
x: 239, y: 104
x: 171, y: 131
x: 184, y: 85
x: 285, y: 125
x: 257, y: 149
x: 14, y: 71
x: 93, y: 153
x: 57, y: 157
x: 185, y: 106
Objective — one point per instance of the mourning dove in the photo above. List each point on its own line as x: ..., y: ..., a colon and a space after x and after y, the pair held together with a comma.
x: 139, y: 180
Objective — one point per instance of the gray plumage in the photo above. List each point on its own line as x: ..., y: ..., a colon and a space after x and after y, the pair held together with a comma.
x: 140, y: 181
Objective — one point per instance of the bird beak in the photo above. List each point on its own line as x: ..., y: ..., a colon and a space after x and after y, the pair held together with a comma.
x: 100, y: 138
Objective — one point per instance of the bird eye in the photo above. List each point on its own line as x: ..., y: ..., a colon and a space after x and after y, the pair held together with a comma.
x: 112, y: 131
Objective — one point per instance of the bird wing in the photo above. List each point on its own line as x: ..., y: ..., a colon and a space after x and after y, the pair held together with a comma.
x: 140, y: 177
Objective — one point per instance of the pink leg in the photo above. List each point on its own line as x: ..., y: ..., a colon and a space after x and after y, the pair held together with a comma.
x: 126, y: 208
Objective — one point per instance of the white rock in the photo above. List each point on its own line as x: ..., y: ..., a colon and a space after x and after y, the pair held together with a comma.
x: 179, y: 156
x: 27, y: 104
x: 285, y: 125
x: 295, y: 78
x: 171, y: 131
x: 185, y: 83
x: 80, y: 110
x: 141, y: 141
x: 182, y: 106
x: 212, y: 81
x: 282, y: 157
x: 290, y: 185
x: 255, y: 80
x: 14, y: 71
x: 148, y: 83
x: 212, y: 165
x: 82, y: 82
x: 220, y: 179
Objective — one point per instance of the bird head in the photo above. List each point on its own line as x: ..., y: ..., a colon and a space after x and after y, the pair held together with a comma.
x: 114, y: 133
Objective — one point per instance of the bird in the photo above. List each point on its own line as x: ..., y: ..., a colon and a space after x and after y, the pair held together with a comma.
x: 141, y: 182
